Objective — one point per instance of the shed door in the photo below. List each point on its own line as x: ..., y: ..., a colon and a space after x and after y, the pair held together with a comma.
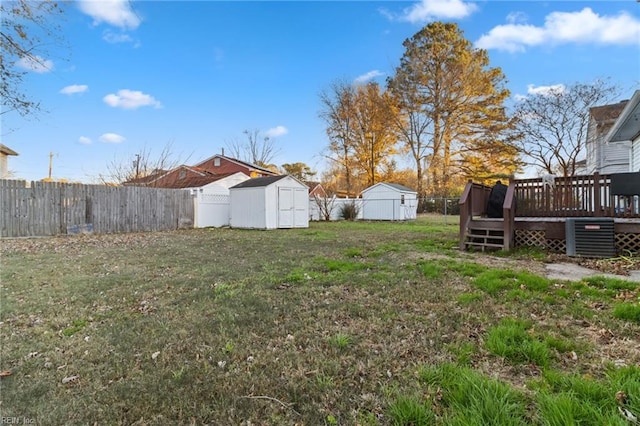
x: 301, y: 208
x: 285, y: 207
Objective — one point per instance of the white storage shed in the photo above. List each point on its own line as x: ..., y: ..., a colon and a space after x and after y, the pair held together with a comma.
x: 389, y: 201
x: 269, y: 203
x: 212, y: 201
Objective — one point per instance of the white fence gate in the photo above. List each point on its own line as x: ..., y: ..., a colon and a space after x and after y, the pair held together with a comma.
x: 212, y: 210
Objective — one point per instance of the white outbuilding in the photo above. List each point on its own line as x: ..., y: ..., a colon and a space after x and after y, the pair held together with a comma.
x: 212, y: 200
x: 269, y: 203
x: 389, y: 201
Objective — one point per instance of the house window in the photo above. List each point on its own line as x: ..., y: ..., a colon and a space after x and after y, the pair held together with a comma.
x: 216, y: 162
x: 401, y: 199
x: 182, y: 175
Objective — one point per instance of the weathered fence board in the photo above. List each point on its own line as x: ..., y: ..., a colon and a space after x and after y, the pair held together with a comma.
x: 49, y: 208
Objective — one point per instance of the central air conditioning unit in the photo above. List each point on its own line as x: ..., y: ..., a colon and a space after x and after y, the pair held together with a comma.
x: 590, y: 237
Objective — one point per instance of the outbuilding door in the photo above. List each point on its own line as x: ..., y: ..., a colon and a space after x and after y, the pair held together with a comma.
x: 291, y: 207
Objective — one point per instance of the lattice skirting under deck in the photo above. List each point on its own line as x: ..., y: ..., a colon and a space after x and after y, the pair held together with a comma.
x: 628, y: 242
x: 536, y: 238
x: 529, y: 239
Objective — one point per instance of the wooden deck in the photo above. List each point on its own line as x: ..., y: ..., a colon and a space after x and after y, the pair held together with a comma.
x: 535, y: 213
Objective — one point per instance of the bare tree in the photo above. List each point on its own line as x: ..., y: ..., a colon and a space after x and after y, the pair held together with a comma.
x: 27, y: 28
x: 325, y: 206
x: 143, y: 164
x: 256, y: 149
x: 554, y: 124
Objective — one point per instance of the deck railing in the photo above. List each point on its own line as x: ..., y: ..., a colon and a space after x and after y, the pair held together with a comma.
x: 583, y: 196
x: 473, y: 202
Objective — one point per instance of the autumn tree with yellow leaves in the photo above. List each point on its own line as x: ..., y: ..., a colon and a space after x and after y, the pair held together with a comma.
x: 374, y: 140
x: 359, y: 124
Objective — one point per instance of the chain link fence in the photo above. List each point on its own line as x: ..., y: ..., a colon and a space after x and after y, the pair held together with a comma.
x: 439, y: 205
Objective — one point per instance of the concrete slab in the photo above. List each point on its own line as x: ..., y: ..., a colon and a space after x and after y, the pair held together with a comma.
x: 573, y: 272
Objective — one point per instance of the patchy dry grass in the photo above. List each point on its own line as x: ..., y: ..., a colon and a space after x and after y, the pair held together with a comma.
x: 339, y: 324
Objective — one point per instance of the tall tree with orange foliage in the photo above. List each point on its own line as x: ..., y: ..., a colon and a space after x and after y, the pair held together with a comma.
x: 451, y: 103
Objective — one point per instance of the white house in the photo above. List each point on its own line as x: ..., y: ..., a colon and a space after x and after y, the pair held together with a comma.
x: 389, y: 201
x: 270, y: 202
x: 212, y: 201
x: 626, y: 129
x: 606, y: 156
x: 5, y: 152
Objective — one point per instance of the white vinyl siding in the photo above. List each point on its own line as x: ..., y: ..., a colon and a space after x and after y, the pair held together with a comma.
x: 635, y: 156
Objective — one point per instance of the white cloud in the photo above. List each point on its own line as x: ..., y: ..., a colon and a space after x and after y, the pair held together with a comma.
x: 554, y: 89
x: 130, y: 99
x: 545, y: 90
x: 114, y: 12
x: 276, y: 131
x: 114, y: 38
x: 111, y: 138
x: 35, y: 64
x: 428, y: 10
x: 511, y: 37
x: 364, y: 78
x: 85, y: 140
x: 584, y: 26
x: 74, y: 88
x: 517, y: 18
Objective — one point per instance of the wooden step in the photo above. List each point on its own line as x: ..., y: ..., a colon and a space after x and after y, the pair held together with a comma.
x: 484, y: 238
x: 484, y: 232
x: 488, y: 224
x: 492, y: 245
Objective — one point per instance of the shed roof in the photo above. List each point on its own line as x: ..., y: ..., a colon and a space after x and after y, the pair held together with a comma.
x: 259, y: 182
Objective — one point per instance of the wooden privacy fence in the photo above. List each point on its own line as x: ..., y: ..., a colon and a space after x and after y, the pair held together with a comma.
x: 48, y: 208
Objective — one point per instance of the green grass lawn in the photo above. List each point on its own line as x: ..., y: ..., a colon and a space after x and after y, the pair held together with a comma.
x: 338, y: 324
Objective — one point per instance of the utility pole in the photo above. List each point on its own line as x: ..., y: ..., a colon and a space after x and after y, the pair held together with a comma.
x: 50, y: 164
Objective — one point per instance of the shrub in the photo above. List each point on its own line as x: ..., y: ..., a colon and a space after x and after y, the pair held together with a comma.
x: 349, y: 211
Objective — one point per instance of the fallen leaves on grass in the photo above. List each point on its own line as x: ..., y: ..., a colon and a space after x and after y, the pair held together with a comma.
x: 621, y: 265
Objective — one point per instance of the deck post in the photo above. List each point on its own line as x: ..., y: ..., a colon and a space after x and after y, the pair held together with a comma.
x: 597, y: 203
x: 508, y: 214
x: 466, y: 211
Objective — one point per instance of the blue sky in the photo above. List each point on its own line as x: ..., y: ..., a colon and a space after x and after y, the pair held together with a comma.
x: 139, y: 75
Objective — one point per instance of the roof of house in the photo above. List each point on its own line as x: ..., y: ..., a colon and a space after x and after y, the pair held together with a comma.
x: 200, y: 177
x: 235, y: 160
x: 6, y: 150
x: 395, y: 186
x: 145, y: 180
x: 197, y: 181
x: 259, y: 182
x: 627, y: 126
x: 607, y: 113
